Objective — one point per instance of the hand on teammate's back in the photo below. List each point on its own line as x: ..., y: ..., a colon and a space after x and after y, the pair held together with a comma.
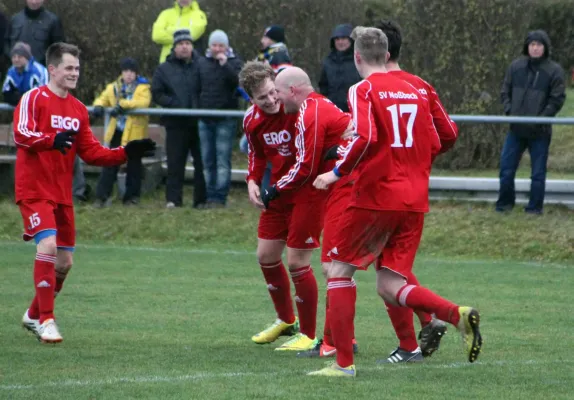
x: 140, y: 148
x: 64, y: 140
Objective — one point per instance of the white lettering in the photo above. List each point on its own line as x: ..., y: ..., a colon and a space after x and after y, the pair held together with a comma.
x: 66, y: 123
x: 398, y: 95
x: 277, y: 139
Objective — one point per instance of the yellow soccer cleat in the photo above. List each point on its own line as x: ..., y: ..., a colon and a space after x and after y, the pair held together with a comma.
x: 468, y: 326
x: 335, y: 371
x: 299, y: 342
x: 278, y: 328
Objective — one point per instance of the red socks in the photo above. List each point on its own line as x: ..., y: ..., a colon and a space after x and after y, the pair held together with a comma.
x: 424, y: 317
x: 342, y: 294
x: 327, y: 338
x: 402, y: 320
x: 306, y: 299
x: 279, y: 289
x: 420, y: 298
x: 44, y: 281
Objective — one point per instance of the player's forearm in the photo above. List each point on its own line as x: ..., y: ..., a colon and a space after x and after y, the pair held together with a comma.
x: 34, y: 141
x: 352, y: 158
x: 103, y: 157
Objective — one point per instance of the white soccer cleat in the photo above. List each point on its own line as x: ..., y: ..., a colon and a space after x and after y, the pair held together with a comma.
x: 32, y: 325
x: 49, y: 333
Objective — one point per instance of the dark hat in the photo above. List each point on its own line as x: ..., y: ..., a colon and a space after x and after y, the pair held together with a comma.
x: 22, y: 49
x: 275, y: 33
x: 128, y: 64
x: 180, y: 35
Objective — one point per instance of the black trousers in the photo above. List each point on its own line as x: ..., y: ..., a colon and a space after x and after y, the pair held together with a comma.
x: 109, y: 175
x: 179, y: 142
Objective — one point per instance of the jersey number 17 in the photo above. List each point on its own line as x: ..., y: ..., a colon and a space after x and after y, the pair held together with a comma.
x: 397, y: 111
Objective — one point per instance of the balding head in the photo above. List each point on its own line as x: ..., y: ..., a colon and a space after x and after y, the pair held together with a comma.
x: 293, y: 86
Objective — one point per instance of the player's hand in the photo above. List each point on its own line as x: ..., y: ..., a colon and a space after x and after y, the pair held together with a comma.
x: 64, y: 140
x: 332, y: 154
x: 140, y: 148
x: 350, y: 131
x: 268, y: 195
x: 323, y: 181
x: 255, y: 194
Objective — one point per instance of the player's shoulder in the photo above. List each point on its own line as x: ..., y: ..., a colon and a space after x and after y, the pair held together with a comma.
x: 248, y: 117
x: 31, y: 97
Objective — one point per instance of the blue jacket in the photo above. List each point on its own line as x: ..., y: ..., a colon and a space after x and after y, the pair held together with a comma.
x: 17, y: 83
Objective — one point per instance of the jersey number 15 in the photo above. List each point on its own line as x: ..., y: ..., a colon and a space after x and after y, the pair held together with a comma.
x: 398, y: 111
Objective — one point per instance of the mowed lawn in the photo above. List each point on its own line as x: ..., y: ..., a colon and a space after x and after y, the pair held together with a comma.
x: 175, y: 323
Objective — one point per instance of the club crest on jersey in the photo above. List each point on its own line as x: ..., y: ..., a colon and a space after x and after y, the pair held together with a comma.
x: 280, y: 141
x: 66, y: 123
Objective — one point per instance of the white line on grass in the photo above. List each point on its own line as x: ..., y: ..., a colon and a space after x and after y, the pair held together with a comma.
x: 208, y: 375
x: 252, y: 254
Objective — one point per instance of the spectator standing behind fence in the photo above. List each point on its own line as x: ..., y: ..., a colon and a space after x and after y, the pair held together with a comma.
x: 175, y: 85
x: 185, y: 14
x: 24, y: 74
x: 273, y: 48
x: 36, y: 26
x: 218, y: 80
x: 339, y: 73
x: 129, y: 91
x: 533, y: 86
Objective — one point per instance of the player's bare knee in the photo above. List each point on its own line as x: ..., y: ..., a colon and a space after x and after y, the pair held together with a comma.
x: 269, y: 251
x: 340, y: 270
x: 388, y: 285
x: 298, y: 258
x: 47, y: 245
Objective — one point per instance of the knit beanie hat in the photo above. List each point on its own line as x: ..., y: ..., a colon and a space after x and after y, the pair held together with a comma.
x: 180, y: 35
x: 129, y: 63
x: 22, y: 49
x: 218, y: 36
x: 275, y: 33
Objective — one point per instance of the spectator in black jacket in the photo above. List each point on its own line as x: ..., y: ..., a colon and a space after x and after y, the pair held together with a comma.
x: 339, y: 72
x: 533, y: 86
x: 274, y: 49
x: 36, y: 26
x: 175, y: 85
x: 218, y: 80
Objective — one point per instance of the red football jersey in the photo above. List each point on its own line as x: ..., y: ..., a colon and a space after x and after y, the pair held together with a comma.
x: 390, y: 156
x: 446, y: 127
x: 271, y: 139
x: 320, y: 125
x: 43, y: 173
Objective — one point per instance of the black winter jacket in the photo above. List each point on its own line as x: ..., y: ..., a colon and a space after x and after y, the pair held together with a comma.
x: 39, y: 28
x: 339, y: 73
x: 533, y: 87
x: 175, y: 84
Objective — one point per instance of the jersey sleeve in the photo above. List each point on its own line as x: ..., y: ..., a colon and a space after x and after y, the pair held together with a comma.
x: 309, y: 142
x: 91, y: 150
x: 26, y: 121
x: 365, y: 129
x: 255, y: 155
x: 445, y: 127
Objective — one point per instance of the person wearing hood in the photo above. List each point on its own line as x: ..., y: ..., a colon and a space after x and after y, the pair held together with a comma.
x: 175, y: 84
x: 339, y: 73
x: 218, y: 82
x: 274, y: 49
x: 185, y: 14
x: 24, y: 74
x: 534, y: 85
x: 127, y: 92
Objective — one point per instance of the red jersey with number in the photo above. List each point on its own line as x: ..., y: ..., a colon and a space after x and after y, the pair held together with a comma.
x: 43, y: 173
x: 390, y: 155
x: 445, y: 127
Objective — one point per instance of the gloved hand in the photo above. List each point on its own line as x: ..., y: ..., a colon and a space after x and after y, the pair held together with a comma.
x: 140, y: 148
x: 332, y: 154
x: 98, y: 111
x: 268, y: 195
x: 117, y: 110
x: 64, y: 140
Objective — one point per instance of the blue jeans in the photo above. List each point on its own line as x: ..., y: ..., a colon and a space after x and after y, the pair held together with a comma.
x: 514, y: 147
x: 244, y: 147
x: 216, y: 137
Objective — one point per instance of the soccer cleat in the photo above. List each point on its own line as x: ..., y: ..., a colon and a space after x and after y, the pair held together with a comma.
x: 278, y: 328
x: 335, y: 371
x: 49, y: 333
x: 322, y: 349
x: 430, y: 336
x: 468, y: 326
x: 32, y: 325
x: 299, y: 342
x: 403, y: 356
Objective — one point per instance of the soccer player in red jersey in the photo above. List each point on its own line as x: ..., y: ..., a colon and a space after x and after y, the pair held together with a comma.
x: 390, y: 161
x: 50, y: 127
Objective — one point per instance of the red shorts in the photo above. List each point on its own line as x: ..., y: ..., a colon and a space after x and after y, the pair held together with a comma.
x: 298, y: 224
x: 45, y: 216
x: 336, y: 205
x: 388, y: 238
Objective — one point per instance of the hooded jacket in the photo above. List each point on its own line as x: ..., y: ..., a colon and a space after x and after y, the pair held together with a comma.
x: 339, y: 73
x: 177, y: 17
x: 533, y: 87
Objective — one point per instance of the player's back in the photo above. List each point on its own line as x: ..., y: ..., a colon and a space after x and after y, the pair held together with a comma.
x: 395, y: 119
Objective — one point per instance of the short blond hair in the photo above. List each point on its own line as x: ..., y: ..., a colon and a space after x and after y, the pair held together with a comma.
x: 254, y: 74
x: 371, y: 44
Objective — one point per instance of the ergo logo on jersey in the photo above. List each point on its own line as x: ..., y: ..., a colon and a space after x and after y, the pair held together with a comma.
x: 67, y: 123
x: 274, y: 138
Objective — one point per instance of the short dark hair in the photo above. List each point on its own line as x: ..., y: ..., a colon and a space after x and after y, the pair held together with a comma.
x: 56, y: 52
x: 253, y: 74
x: 394, y: 36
